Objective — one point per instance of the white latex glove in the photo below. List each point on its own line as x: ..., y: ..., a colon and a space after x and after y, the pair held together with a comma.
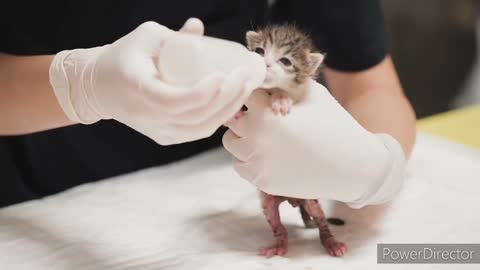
x: 122, y: 81
x: 318, y: 151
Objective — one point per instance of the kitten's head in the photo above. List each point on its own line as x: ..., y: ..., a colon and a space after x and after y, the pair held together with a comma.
x: 289, y: 55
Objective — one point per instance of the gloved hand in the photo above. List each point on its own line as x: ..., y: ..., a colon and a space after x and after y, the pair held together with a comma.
x: 318, y: 151
x: 121, y: 81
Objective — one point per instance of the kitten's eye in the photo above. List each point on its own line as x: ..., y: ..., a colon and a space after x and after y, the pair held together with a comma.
x: 260, y: 51
x: 285, y: 61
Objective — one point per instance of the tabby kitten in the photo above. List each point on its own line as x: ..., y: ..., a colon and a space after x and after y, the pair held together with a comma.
x: 291, y: 60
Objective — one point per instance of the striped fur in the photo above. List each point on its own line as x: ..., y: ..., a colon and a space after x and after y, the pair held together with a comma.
x: 294, y: 44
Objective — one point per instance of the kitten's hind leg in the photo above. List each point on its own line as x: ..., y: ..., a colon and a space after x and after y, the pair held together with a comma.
x: 332, y: 246
x: 307, y: 220
x: 270, y: 206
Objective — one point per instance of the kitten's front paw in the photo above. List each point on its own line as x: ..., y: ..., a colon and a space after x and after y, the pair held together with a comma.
x: 281, y: 103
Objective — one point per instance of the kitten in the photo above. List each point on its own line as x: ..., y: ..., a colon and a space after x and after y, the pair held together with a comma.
x: 291, y: 61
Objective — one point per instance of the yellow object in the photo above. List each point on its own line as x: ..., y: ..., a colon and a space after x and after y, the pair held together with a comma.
x: 462, y: 125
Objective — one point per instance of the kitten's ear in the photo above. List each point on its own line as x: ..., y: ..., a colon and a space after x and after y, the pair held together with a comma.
x: 315, y: 60
x: 251, y: 37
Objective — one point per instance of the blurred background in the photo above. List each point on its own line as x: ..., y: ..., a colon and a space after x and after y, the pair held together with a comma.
x: 435, y: 44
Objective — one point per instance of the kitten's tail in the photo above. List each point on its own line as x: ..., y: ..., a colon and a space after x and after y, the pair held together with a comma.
x: 307, y: 219
x: 310, y: 223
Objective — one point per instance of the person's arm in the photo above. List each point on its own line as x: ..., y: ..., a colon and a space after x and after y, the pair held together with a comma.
x: 28, y: 103
x: 130, y: 81
x: 375, y: 98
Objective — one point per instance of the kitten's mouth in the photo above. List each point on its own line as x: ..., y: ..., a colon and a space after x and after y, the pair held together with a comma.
x: 268, y: 78
x: 268, y: 82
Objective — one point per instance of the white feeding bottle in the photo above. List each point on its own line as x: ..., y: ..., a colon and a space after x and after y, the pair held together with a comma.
x: 186, y: 59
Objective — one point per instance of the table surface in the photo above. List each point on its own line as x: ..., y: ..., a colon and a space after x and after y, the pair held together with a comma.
x: 198, y: 214
x: 462, y: 125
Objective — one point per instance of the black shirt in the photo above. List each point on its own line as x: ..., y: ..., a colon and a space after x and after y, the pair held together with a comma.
x: 351, y: 32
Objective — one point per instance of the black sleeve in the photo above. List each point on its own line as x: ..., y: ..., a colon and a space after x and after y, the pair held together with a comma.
x: 2, y: 34
x: 351, y: 32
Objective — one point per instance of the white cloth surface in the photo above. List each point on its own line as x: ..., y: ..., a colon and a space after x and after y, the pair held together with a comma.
x: 198, y: 214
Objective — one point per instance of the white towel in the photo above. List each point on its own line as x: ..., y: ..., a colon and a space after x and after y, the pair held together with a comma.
x: 198, y: 214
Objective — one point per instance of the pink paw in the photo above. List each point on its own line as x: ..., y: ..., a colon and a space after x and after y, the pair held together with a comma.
x: 281, y: 103
x: 279, y: 249
x: 237, y: 116
x: 334, y: 248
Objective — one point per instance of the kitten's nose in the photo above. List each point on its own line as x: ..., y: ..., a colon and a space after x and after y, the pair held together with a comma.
x: 268, y: 65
